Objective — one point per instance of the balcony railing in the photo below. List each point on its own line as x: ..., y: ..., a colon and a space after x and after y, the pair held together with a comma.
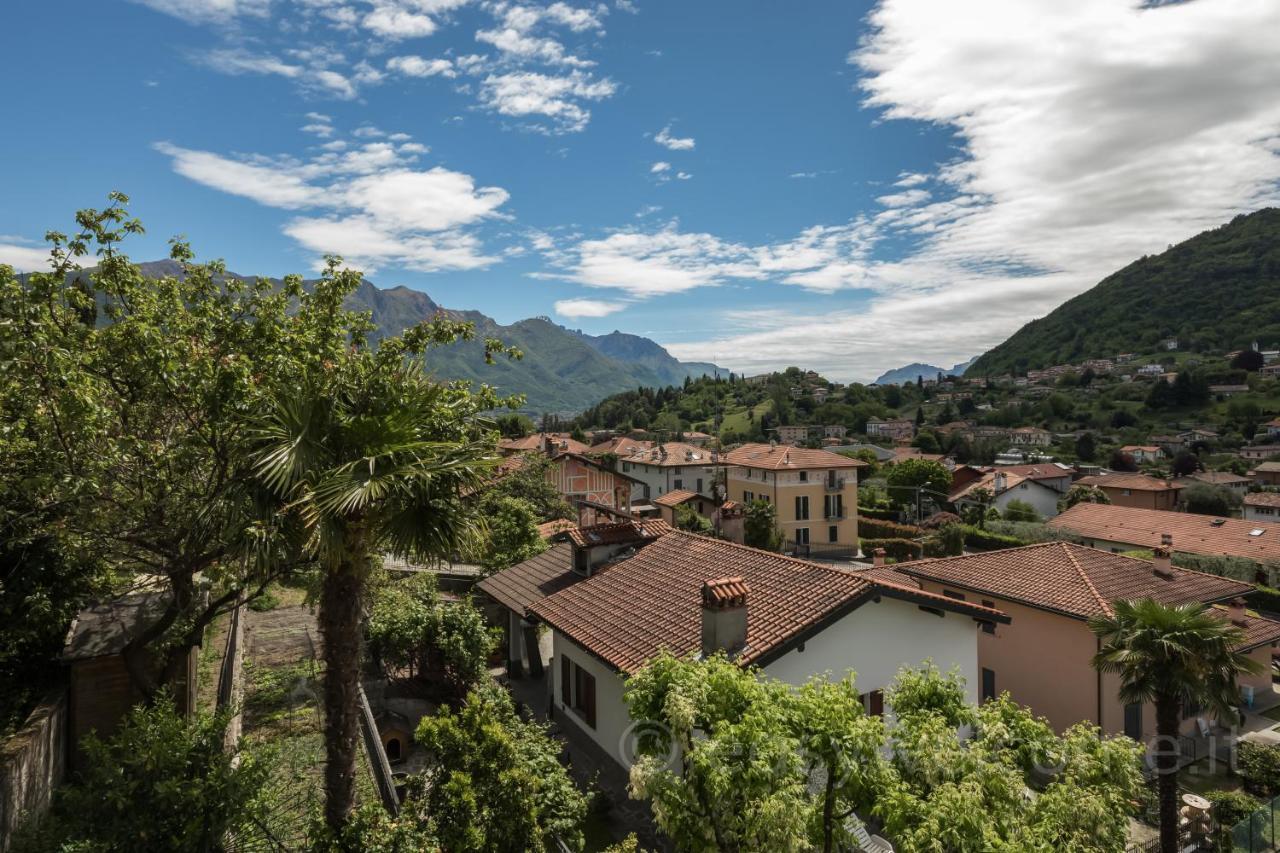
x: 833, y: 485
x: 834, y: 515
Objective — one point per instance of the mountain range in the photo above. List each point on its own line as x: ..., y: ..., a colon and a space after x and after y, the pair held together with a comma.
x: 902, y: 375
x: 1217, y: 291
x: 563, y: 371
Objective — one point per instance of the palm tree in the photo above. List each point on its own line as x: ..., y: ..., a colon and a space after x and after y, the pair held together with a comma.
x: 371, y: 458
x: 1176, y: 657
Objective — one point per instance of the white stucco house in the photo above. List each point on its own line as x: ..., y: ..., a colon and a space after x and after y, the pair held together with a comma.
x: 693, y: 595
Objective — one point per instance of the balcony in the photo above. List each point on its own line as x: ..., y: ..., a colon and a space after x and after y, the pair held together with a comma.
x: 835, y: 515
x: 833, y: 484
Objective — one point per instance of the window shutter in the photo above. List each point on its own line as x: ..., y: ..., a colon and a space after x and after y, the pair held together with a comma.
x: 589, y: 698
x: 875, y: 703
x: 566, y: 682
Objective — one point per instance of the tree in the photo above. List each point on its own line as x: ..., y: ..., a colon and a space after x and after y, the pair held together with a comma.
x: 1248, y: 359
x: 1082, y: 494
x: 413, y: 631
x: 510, y: 533
x: 1184, y: 463
x: 1017, y: 510
x: 1207, y: 499
x: 1121, y: 461
x: 494, y: 784
x: 163, y: 781
x: 369, y: 456
x: 532, y: 482
x: 910, y: 475
x: 688, y: 518
x: 1086, y: 447
x: 760, y: 526
x: 927, y: 441
x: 1175, y: 657
x: 514, y: 425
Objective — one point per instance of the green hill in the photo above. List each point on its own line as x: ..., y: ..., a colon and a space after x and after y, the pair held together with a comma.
x: 1218, y: 291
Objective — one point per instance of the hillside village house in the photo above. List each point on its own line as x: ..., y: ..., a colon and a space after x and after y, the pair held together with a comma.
x: 693, y: 595
x: 896, y: 429
x: 814, y: 492
x: 726, y: 517
x: 1144, y: 453
x: 672, y: 466
x: 619, y: 446
x: 1005, y: 487
x: 1192, y: 436
x: 1272, y: 427
x: 1262, y: 506
x: 550, y: 443
x: 1118, y: 528
x: 1136, y: 490
x: 1259, y: 451
x: 1055, y: 475
x: 1043, y: 656
x: 1236, y: 483
x: 792, y: 435
x: 1266, y: 474
x: 1031, y: 437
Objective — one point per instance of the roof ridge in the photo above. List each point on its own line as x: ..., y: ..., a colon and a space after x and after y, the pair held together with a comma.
x: 1069, y: 550
x: 744, y: 547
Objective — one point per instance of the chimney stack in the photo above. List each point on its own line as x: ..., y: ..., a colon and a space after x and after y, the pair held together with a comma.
x: 724, y: 616
x: 999, y: 481
x: 877, y: 557
x: 1236, y: 610
x: 1163, y: 562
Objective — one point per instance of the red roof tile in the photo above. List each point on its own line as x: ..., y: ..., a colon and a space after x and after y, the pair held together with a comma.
x: 619, y: 533
x: 1071, y: 579
x: 1263, y: 499
x: 627, y: 613
x: 1133, y: 482
x: 784, y: 458
x: 1192, y: 533
x: 533, y: 580
x: 675, y: 497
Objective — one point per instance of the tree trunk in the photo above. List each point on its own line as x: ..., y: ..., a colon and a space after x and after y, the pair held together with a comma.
x: 340, y: 631
x: 1167, y: 772
x: 828, y: 810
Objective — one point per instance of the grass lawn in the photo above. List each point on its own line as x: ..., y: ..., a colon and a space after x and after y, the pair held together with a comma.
x: 1202, y: 777
x: 737, y: 420
x: 1272, y: 713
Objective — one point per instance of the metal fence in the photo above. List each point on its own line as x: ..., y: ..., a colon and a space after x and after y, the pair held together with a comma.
x: 1257, y: 832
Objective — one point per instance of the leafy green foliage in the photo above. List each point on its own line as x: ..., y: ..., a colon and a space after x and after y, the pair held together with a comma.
x: 1259, y: 765
x: 907, y: 476
x: 899, y: 550
x: 413, y: 632
x: 530, y: 482
x: 1017, y: 510
x: 495, y: 783
x: 688, y: 518
x: 1208, y: 499
x: 947, y: 541
x: 735, y: 761
x: 510, y: 533
x: 1217, y: 290
x: 162, y: 782
x: 1082, y: 494
x: 760, y: 526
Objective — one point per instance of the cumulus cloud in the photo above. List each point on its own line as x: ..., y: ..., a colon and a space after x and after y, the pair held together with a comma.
x: 24, y: 258
x: 587, y: 307
x: 659, y: 167
x: 208, y: 11
x: 418, y: 66
x: 675, y: 143
x: 524, y: 94
x: 313, y: 76
x: 369, y: 203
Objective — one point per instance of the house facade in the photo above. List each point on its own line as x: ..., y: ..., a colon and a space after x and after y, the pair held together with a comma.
x: 814, y: 492
x: 1043, y: 656
x: 1005, y: 487
x: 896, y: 429
x: 1144, y: 453
x: 671, y: 467
x: 793, y: 435
x: 1262, y: 507
x: 1266, y: 474
x: 1136, y: 490
x: 791, y: 618
x: 1031, y: 437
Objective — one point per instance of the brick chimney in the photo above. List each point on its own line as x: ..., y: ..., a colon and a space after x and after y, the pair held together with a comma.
x: 1163, y: 562
x: 877, y: 557
x: 1236, y: 612
x: 998, y: 481
x: 724, y: 616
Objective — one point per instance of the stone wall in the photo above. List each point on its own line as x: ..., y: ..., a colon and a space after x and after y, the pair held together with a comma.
x: 32, y: 763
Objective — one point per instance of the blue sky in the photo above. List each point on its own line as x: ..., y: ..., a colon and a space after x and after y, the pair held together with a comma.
x: 845, y: 186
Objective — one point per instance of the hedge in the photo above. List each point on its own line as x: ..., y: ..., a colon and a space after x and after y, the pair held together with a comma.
x: 879, y: 529
x: 882, y: 513
x: 1264, y: 598
x: 984, y: 540
x: 901, y: 550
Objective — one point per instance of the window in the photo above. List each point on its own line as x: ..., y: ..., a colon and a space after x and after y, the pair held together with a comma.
x: 802, y: 508
x: 578, y: 690
x: 1126, y: 492
x: 679, y: 483
x: 951, y: 593
x: 699, y: 489
x: 1133, y: 720
x: 988, y: 684
x: 393, y: 749
x: 747, y: 497
x: 804, y: 476
x: 988, y: 627
x: 833, y: 533
x: 873, y: 702
x: 833, y: 506
x: 802, y: 536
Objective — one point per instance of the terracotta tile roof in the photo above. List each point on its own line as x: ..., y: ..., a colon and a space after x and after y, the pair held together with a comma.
x: 1133, y: 482
x: 620, y: 446
x: 562, y: 440
x: 533, y: 580
x: 784, y: 458
x: 1192, y: 533
x: 1149, y: 448
x: 1071, y: 579
x: 1218, y: 478
x: 671, y: 453
x: 1263, y: 499
x: 675, y: 497
x: 886, y: 574
x: 988, y: 481
x: 1258, y: 630
x: 627, y: 613
x: 901, y: 453
x: 1267, y: 466
x: 1042, y: 471
x: 619, y: 533
x: 556, y: 525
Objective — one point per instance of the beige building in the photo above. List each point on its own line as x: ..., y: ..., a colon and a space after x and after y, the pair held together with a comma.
x: 1043, y: 656
x: 815, y: 492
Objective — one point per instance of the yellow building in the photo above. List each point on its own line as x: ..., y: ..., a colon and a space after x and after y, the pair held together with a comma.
x: 815, y: 493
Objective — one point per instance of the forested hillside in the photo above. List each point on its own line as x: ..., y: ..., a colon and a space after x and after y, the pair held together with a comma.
x: 1218, y: 291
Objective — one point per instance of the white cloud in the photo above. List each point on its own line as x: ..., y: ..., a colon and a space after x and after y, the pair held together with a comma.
x: 25, y: 258
x: 523, y: 94
x: 683, y: 176
x: 1089, y: 133
x: 659, y: 167
x: 395, y: 22
x: 367, y: 203
x: 208, y: 11
x: 519, y: 45
x: 313, y: 77
x: 587, y: 307
x: 418, y: 66
x: 675, y: 143
x: 324, y: 131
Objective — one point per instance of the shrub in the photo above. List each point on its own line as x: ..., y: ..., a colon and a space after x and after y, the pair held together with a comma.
x: 939, y: 520
x: 1264, y: 598
x: 1020, y: 511
x: 900, y: 550
x: 1229, y: 808
x: 984, y: 540
x: 879, y: 529
x: 1259, y: 765
x: 881, y: 513
x: 946, y: 542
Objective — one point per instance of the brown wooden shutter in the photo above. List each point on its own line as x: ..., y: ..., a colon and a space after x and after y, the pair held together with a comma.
x: 566, y: 681
x: 876, y: 704
x: 589, y: 698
